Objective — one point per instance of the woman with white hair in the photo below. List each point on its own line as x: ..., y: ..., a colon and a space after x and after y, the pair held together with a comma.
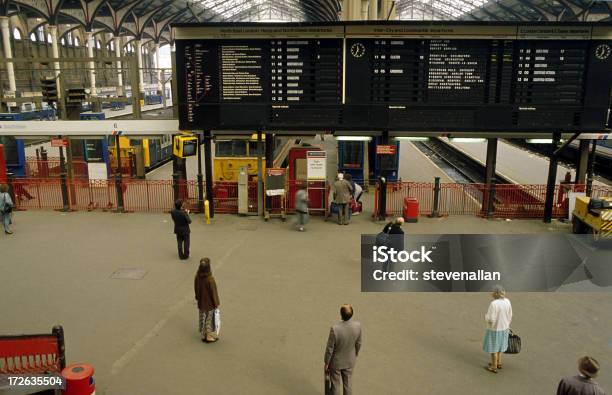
x: 498, y: 319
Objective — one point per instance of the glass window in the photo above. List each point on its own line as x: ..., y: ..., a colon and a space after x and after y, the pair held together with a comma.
x: 253, y: 148
x: 112, y: 46
x: 63, y: 41
x: 49, y: 39
x: 33, y: 37
x: 77, y: 42
x: 16, y: 34
x: 230, y: 148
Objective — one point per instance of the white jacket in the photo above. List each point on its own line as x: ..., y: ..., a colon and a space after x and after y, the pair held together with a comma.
x: 499, y: 315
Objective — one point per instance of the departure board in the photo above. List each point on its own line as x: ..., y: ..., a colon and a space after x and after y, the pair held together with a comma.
x: 395, y: 76
x: 262, y: 81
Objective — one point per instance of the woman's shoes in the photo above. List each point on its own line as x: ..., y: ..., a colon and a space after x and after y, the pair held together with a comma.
x: 8, y: 232
x: 491, y: 369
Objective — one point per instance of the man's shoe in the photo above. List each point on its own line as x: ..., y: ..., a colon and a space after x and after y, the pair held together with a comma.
x: 8, y: 232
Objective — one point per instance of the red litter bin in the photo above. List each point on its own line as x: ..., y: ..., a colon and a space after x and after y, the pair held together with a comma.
x: 411, y: 209
x: 79, y: 379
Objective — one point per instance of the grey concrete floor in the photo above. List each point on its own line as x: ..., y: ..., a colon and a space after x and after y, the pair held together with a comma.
x: 280, y: 290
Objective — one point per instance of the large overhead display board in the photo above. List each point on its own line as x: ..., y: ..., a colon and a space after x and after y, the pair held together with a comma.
x: 394, y: 76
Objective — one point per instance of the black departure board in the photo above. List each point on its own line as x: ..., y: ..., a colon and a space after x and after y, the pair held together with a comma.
x: 396, y: 76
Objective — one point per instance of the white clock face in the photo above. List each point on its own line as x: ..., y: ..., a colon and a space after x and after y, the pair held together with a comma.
x: 602, y: 51
x: 357, y: 50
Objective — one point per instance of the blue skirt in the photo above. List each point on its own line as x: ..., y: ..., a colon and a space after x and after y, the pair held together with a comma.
x: 495, y: 341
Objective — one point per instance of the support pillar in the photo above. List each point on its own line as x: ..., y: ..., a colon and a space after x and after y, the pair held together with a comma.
x: 90, y: 54
x: 160, y: 88
x: 373, y: 10
x: 8, y: 51
x: 120, y: 90
x: 56, y: 65
x: 173, y: 85
x: 552, y: 179
x: 200, y: 176
x: 364, y: 9
x: 387, y: 10
x: 138, y: 50
x: 487, y: 200
x: 260, y: 191
x: 208, y: 171
x: 591, y: 169
x: 269, y: 143
x: 583, y: 160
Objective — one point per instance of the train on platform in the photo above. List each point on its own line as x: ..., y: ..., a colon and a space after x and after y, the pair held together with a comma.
x: 232, y: 154
x: 14, y: 149
x: 361, y: 161
x: 155, y: 151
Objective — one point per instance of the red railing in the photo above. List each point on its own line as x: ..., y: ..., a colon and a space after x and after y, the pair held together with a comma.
x: 509, y: 201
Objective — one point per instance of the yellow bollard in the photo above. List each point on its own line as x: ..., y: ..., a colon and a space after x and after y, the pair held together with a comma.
x: 207, y: 211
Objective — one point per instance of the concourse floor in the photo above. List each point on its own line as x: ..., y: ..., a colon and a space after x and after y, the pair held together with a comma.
x: 280, y: 291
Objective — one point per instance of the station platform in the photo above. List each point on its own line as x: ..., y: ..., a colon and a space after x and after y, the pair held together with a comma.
x: 516, y: 164
x: 416, y: 167
x: 277, y: 306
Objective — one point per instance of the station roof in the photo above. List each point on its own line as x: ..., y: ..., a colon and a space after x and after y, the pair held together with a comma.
x: 150, y: 19
x: 506, y: 10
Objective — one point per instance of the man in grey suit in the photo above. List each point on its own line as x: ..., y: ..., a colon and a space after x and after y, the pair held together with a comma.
x: 342, y: 349
x: 343, y: 192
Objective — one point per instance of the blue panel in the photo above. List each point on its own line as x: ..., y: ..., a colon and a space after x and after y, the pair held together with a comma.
x: 392, y: 168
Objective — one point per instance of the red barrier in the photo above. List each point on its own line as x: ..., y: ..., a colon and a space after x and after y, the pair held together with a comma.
x: 32, y: 354
x: 509, y: 201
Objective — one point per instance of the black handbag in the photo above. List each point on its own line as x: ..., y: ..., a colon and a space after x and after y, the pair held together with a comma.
x: 514, y: 343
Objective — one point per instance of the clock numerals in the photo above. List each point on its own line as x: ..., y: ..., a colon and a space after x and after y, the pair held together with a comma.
x: 357, y: 50
x: 602, y: 51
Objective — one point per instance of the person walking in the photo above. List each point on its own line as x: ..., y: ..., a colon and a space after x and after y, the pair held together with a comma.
x: 208, y: 300
x: 181, y: 219
x: 498, y: 319
x: 342, y: 198
x: 343, y: 346
x: 582, y: 383
x: 6, y: 209
x: 301, y: 208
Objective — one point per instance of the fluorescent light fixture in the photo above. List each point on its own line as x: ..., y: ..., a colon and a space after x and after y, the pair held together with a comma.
x: 353, y: 138
x: 541, y: 141
x: 412, y: 138
x: 467, y: 140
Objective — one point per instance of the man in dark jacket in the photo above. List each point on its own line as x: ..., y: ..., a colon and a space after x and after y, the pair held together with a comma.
x: 583, y: 383
x: 181, y: 219
x: 395, y: 239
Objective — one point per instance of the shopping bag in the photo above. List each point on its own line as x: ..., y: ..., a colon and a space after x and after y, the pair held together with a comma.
x: 217, y: 321
x: 514, y: 343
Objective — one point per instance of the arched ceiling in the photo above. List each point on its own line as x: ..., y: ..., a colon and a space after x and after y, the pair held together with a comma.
x: 150, y: 19
x: 505, y: 10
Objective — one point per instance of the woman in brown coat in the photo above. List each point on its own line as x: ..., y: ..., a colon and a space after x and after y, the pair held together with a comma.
x: 208, y: 300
